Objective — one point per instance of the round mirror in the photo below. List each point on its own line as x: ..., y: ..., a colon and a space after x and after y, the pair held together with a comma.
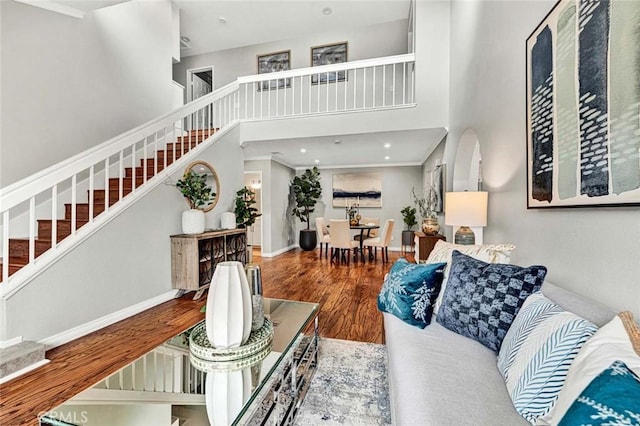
x: 205, y: 169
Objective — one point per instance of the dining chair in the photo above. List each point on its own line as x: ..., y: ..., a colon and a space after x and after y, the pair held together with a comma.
x: 381, y: 241
x: 323, y: 235
x: 340, y: 240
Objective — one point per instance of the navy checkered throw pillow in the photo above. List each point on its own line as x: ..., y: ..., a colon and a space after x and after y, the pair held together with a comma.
x: 482, y: 299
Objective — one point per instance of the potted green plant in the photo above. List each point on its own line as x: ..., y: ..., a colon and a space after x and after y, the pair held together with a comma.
x: 307, y: 190
x: 198, y: 194
x: 409, y: 218
x: 246, y: 213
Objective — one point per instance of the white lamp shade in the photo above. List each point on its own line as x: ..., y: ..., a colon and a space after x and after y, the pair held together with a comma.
x: 466, y: 208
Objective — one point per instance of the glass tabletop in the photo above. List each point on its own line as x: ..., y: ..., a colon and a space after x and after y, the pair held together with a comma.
x: 165, y: 386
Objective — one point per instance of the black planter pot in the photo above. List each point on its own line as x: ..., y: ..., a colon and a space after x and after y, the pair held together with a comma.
x: 407, y: 238
x: 308, y: 239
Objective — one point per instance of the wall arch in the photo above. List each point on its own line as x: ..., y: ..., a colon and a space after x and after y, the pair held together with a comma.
x: 467, y: 168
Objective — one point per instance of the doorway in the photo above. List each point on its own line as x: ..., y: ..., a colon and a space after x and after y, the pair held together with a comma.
x: 199, y: 82
x: 253, y: 181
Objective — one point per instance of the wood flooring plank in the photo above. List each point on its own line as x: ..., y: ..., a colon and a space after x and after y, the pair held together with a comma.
x: 347, y: 295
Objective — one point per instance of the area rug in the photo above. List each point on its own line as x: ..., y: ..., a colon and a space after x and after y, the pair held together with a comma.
x: 349, y: 387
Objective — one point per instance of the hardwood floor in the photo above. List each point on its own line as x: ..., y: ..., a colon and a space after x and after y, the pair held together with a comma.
x: 348, y: 310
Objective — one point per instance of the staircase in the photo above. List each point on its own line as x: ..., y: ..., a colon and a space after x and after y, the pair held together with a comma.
x: 149, y: 167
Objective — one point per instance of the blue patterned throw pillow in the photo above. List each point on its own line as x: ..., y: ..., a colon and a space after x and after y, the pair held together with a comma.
x: 482, y: 299
x: 410, y: 291
x: 612, y: 398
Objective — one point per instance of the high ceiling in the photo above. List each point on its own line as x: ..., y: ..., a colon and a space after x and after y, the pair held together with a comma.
x: 213, y: 25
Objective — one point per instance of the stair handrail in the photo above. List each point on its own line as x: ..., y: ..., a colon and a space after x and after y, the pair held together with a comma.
x: 323, y: 69
x: 20, y: 191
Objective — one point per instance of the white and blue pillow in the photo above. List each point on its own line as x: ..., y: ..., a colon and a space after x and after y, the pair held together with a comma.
x: 482, y: 299
x: 410, y: 291
x: 615, y: 342
x: 536, y: 354
x: 612, y: 398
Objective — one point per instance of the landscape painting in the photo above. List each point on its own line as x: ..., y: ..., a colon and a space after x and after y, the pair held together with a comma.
x: 583, y: 106
x: 364, y: 189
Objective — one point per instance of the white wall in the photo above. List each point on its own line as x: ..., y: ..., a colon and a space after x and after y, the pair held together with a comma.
x: 364, y: 43
x: 125, y: 263
x: 277, y: 222
x: 396, y: 194
x: 69, y: 84
x: 593, y: 251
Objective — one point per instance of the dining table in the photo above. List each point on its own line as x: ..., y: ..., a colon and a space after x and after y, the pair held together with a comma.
x: 363, y: 227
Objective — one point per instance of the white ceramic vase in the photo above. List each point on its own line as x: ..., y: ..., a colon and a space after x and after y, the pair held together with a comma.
x: 192, y: 221
x: 229, y: 312
x: 227, y: 391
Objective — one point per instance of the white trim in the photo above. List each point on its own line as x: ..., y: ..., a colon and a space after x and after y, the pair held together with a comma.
x: 97, y: 324
x: 55, y: 7
x: 325, y: 113
x: 279, y: 252
x: 6, y: 343
x: 23, y: 371
x: 96, y: 396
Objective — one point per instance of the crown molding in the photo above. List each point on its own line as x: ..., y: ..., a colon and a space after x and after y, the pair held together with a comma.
x: 54, y: 6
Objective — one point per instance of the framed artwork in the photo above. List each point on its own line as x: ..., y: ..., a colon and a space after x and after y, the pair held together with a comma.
x: 583, y: 106
x: 325, y: 55
x: 362, y: 188
x: 274, y: 62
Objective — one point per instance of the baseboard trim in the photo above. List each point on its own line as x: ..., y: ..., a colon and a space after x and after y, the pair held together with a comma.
x: 279, y: 252
x: 23, y: 371
x: 97, y: 324
x: 6, y: 343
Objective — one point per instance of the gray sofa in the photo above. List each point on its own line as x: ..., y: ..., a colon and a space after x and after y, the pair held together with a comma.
x: 439, y: 378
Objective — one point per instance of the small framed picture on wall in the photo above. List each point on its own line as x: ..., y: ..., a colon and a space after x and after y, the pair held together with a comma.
x: 329, y: 54
x: 274, y: 62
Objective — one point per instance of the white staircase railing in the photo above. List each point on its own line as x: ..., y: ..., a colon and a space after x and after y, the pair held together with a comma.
x: 161, y: 147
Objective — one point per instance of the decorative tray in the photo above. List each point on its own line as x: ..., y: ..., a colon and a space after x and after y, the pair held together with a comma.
x: 200, y: 347
x: 207, y: 366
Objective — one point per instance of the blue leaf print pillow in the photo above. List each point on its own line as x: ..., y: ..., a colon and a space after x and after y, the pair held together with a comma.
x: 410, y: 291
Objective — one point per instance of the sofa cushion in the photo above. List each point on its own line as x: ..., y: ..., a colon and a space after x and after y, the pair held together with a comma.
x: 437, y: 377
x: 482, y: 299
x: 410, y: 290
x: 491, y: 253
x: 537, y: 352
x: 618, y: 340
x: 613, y: 397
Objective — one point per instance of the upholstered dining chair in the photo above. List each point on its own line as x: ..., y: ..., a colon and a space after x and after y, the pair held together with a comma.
x: 323, y: 235
x: 382, y: 241
x: 340, y: 239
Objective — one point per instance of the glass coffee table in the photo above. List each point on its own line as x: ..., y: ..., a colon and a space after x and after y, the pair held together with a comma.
x: 166, y: 386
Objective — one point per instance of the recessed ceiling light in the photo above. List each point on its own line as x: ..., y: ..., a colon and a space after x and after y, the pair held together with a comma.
x: 222, y: 20
x: 337, y: 141
x: 317, y: 161
x: 387, y: 157
x: 303, y: 150
x: 387, y: 145
x: 327, y: 11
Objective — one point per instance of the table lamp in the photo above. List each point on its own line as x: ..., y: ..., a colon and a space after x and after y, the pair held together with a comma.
x: 465, y: 209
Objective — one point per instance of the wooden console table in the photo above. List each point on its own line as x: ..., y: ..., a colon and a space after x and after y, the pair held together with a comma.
x: 425, y: 243
x: 195, y: 256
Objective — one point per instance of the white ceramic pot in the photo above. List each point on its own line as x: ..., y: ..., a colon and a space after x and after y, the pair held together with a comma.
x: 228, y: 220
x: 229, y: 312
x: 192, y: 221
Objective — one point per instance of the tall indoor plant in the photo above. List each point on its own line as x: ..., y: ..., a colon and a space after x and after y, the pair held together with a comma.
x: 246, y: 213
x: 307, y: 190
x: 198, y: 193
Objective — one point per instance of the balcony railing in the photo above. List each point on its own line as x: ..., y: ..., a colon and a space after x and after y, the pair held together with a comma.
x: 114, y: 174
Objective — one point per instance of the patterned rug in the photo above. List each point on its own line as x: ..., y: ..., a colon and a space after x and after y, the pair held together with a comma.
x: 349, y: 387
